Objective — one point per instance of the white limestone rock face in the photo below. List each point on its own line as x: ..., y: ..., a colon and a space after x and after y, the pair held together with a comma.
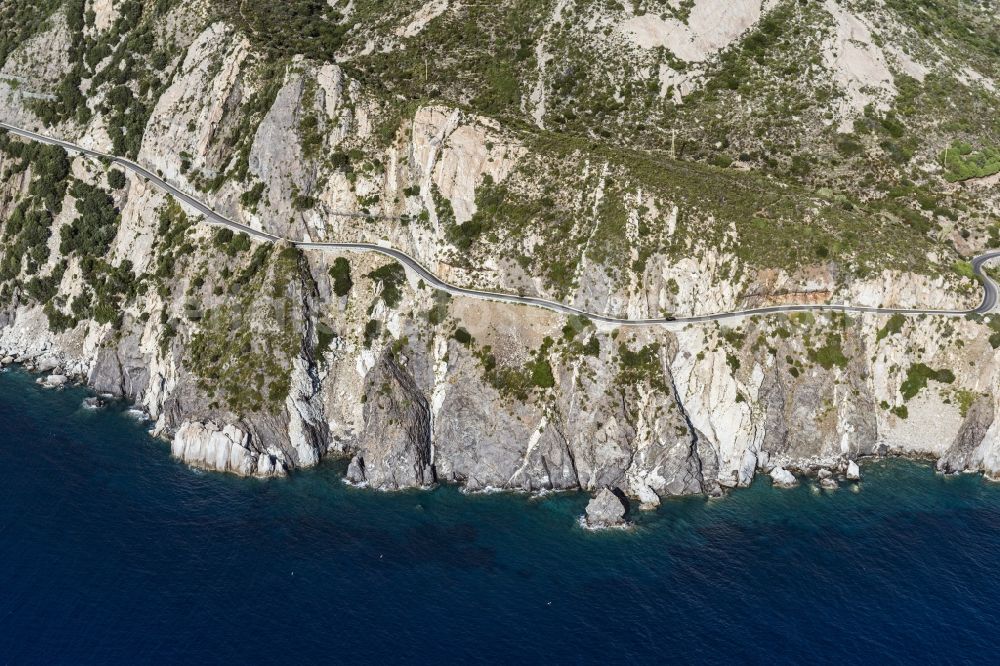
x: 197, y: 98
x: 105, y: 13
x: 710, y: 27
x: 307, y: 430
x: 222, y: 448
x: 711, y: 394
x: 33, y: 71
x: 424, y: 15
x: 857, y: 64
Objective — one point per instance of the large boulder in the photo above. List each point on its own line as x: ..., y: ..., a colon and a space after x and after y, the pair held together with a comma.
x: 853, y: 471
x: 782, y: 478
x: 609, y: 508
x: 56, y: 380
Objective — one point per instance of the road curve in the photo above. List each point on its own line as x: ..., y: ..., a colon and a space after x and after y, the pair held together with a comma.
x: 989, y: 302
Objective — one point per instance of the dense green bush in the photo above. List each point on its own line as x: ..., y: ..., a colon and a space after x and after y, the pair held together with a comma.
x: 917, y: 377
x: 116, y: 179
x: 341, y: 274
x: 391, y: 277
x: 308, y: 27
x: 93, y: 230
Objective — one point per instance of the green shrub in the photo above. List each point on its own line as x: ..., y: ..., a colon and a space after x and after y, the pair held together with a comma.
x: 964, y: 268
x: 324, y: 338
x: 116, y: 179
x: 391, y: 277
x: 830, y: 354
x: 91, y: 233
x: 372, y: 329
x: 341, y: 274
x: 541, y: 374
x: 251, y: 197
x: 917, y: 377
x: 892, y: 327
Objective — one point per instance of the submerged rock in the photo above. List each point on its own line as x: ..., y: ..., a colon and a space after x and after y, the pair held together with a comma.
x: 93, y: 402
x: 609, y: 508
x: 782, y: 478
x: 829, y: 483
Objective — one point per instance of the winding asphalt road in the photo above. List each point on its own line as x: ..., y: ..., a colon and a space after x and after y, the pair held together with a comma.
x: 990, y: 291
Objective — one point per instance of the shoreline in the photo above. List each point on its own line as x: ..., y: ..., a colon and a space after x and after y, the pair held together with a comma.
x: 806, y: 475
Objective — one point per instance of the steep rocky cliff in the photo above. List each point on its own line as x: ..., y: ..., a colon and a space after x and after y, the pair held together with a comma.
x: 260, y: 358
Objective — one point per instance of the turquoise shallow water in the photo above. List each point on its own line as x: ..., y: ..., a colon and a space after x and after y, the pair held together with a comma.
x: 111, y: 552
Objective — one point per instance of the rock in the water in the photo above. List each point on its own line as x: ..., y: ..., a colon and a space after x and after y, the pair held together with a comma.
x: 93, y: 402
x: 6, y: 360
x: 609, y: 508
x: 782, y: 478
x: 356, y: 470
x: 829, y: 483
x: 56, y: 380
x: 824, y: 474
x: 853, y: 471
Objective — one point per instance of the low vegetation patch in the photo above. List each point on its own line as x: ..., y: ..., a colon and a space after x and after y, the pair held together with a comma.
x: 917, y: 377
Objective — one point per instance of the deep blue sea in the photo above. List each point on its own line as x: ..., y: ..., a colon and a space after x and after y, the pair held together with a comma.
x: 111, y: 552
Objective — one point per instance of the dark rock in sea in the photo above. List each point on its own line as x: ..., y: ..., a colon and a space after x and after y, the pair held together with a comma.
x: 356, y: 470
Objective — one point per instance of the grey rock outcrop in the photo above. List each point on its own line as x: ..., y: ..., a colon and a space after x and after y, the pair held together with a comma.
x: 356, y: 471
x: 962, y: 452
x: 395, y: 449
x: 607, y: 509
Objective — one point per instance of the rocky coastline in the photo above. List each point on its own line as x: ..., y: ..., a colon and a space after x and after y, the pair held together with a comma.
x: 259, y: 358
